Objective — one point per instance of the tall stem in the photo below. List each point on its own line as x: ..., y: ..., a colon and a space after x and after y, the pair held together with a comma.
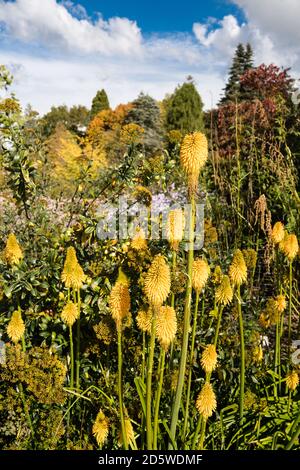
x: 72, y: 358
x: 290, y: 311
x: 190, y: 367
x: 78, y: 342
x: 157, y: 403
x: 186, y: 327
x: 202, y: 435
x: 120, y: 388
x: 149, y: 382
x: 242, y: 361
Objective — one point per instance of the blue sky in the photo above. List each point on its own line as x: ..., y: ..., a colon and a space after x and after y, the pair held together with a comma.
x: 62, y: 52
x: 163, y: 15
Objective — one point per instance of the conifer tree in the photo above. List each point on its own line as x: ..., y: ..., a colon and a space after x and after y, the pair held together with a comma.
x: 242, y: 61
x: 185, y: 109
x: 99, y: 103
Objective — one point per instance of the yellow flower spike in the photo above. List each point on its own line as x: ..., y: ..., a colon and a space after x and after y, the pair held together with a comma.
x: 139, y: 242
x: 144, y: 320
x: 12, y: 252
x: 290, y: 246
x: 101, y: 428
x: 166, y: 326
x: 238, y: 269
x: 280, y: 303
x: 209, y: 358
x: 129, y: 433
x: 224, y: 292
x: 158, y: 281
x: 72, y: 275
x: 175, y: 228
x: 206, y: 402
x: 16, y: 327
x: 119, y: 302
x: 193, y: 155
x: 278, y: 233
x: 200, y: 274
x: 292, y: 380
x: 70, y: 313
x: 217, y: 275
x: 257, y: 354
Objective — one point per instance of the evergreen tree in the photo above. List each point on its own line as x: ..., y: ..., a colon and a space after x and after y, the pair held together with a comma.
x: 242, y: 61
x: 146, y: 113
x: 185, y: 109
x: 99, y: 103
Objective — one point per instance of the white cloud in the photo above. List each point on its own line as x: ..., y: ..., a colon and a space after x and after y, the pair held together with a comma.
x: 66, y: 57
x: 51, y: 24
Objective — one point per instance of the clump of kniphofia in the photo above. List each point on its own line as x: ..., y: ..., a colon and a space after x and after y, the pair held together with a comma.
x: 238, y: 269
x: 72, y: 275
x: 290, y: 246
x: 277, y: 234
x: 209, y: 358
x: 12, y: 252
x: 70, y: 313
x: 144, y: 320
x: 101, y: 428
x: 292, y: 380
x: 280, y: 303
x: 139, y: 242
x: 16, y: 327
x: 200, y: 274
x: 224, y: 292
x: 158, y: 281
x: 206, y: 402
x: 193, y: 155
x: 175, y: 228
x: 250, y: 257
x: 129, y: 433
x: 119, y: 302
x: 166, y: 326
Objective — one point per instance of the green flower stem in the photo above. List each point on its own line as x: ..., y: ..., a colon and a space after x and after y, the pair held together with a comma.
x: 202, y: 435
x: 242, y: 360
x: 157, y: 403
x: 290, y: 311
x: 174, y: 264
x: 220, y: 311
x: 120, y: 388
x: 143, y: 357
x: 71, y: 357
x: 149, y: 382
x: 296, y: 428
x: 196, y: 434
x: 78, y: 341
x: 277, y: 356
x: 186, y: 327
x: 190, y: 367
